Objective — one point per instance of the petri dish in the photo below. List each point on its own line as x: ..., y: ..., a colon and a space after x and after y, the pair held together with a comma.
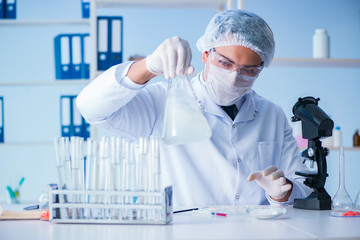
x: 265, y: 212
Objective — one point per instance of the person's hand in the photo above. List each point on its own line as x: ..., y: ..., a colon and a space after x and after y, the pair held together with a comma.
x: 273, y: 181
x: 171, y: 58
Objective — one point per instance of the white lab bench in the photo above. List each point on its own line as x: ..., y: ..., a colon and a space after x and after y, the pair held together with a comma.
x: 295, y: 224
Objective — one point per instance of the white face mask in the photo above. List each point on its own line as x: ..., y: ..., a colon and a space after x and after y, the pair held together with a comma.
x: 226, y: 88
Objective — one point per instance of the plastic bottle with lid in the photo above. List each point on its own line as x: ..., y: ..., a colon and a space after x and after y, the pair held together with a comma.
x: 356, y: 139
x: 337, y: 140
x: 320, y: 44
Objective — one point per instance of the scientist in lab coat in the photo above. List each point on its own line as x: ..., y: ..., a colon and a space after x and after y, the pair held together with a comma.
x: 251, y: 157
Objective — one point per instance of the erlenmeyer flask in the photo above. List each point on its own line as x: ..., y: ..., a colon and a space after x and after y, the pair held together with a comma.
x: 357, y: 202
x: 184, y: 121
x: 342, y: 201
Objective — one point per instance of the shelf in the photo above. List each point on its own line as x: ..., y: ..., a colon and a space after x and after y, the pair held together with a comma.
x: 312, y: 62
x: 163, y: 3
x: 19, y: 22
x: 46, y: 83
x: 337, y: 149
x: 18, y: 144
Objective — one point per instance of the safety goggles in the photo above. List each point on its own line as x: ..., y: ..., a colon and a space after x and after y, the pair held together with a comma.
x: 223, y: 62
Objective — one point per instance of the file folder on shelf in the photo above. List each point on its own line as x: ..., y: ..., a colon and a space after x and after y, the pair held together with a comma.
x: 85, y: 8
x: 1, y: 119
x: 62, y: 56
x: 10, y: 8
x: 71, y: 56
x: 72, y: 123
x: 2, y: 9
x: 85, y: 56
x: 75, y: 58
x: 116, y: 41
x: 110, y: 40
x: 103, y: 52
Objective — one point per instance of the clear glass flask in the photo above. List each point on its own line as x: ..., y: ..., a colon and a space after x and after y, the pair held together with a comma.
x: 184, y: 121
x: 342, y: 201
x: 357, y: 202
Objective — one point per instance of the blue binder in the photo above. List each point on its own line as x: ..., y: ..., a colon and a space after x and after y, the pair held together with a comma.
x: 1, y: 119
x: 62, y: 56
x: 85, y: 8
x: 103, y: 43
x: 72, y: 123
x: 65, y: 116
x: 10, y: 9
x: 110, y: 39
x: 2, y: 7
x: 85, y: 56
x: 116, y: 41
x: 75, y: 56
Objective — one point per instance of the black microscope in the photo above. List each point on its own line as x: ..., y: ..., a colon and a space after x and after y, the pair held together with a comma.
x: 315, y: 124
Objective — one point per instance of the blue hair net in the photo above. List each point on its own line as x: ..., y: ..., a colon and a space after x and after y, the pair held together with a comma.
x: 239, y: 28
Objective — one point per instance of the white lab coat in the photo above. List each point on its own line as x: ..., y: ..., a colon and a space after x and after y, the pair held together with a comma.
x: 211, y: 172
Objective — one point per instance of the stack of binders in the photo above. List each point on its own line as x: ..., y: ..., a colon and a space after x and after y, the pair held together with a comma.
x: 1, y: 119
x: 110, y: 41
x: 72, y: 123
x: 8, y: 9
x: 71, y: 56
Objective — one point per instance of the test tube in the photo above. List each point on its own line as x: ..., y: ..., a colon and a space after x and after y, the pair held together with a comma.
x: 77, y: 172
x: 104, y: 175
x: 155, y: 173
x: 91, y: 174
x: 65, y: 156
x: 143, y: 174
x: 61, y: 176
x: 64, y: 150
x: 128, y: 178
x: 115, y: 184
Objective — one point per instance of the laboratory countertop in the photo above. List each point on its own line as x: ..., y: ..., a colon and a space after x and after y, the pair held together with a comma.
x: 295, y: 224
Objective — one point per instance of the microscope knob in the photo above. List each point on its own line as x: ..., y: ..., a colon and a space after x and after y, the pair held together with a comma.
x: 326, y: 151
x: 310, y: 152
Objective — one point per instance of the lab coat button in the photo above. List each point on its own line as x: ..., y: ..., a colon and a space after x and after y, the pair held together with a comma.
x: 233, y: 126
x: 237, y: 196
x: 239, y: 160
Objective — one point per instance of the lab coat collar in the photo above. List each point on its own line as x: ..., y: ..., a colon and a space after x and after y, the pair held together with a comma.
x: 246, y: 105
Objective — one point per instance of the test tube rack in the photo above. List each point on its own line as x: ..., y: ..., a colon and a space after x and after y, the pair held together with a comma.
x: 112, y: 208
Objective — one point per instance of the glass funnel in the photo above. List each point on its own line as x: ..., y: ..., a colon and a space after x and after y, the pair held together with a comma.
x: 342, y: 201
x: 184, y: 121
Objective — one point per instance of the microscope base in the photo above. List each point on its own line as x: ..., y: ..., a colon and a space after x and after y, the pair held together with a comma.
x: 315, y: 201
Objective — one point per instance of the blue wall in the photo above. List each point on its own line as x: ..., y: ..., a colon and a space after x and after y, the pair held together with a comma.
x: 32, y: 112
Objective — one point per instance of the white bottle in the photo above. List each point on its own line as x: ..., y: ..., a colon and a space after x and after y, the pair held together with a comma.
x: 337, y: 138
x: 320, y: 44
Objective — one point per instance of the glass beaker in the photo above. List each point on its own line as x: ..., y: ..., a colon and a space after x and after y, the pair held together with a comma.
x: 342, y: 201
x: 184, y: 121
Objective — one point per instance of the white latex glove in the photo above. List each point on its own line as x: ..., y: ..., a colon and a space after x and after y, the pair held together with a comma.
x: 171, y: 58
x: 273, y: 181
